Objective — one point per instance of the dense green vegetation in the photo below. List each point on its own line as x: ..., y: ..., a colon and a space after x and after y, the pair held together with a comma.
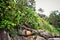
x: 54, y: 19
x: 14, y: 14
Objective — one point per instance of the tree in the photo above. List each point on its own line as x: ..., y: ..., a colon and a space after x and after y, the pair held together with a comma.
x: 31, y: 3
x: 54, y: 18
x: 40, y: 10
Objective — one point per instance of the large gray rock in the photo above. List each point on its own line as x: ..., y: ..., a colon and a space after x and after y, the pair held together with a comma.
x: 54, y: 39
x: 4, y: 35
x: 44, y: 34
x: 40, y: 38
x: 16, y: 37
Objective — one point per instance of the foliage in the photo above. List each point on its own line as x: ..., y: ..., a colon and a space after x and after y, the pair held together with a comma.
x: 40, y: 10
x: 9, y: 15
x: 46, y: 26
x: 15, y: 14
x: 54, y: 18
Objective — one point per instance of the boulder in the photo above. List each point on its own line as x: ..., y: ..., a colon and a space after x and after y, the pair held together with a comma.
x: 54, y: 39
x: 45, y: 34
x: 40, y: 38
x: 30, y: 38
x: 4, y: 35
